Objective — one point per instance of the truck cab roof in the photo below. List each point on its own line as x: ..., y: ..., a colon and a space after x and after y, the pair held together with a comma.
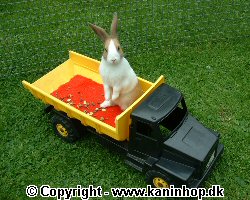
x: 158, y: 105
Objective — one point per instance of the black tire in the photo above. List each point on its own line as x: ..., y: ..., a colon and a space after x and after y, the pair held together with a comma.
x: 158, y: 180
x: 65, y: 128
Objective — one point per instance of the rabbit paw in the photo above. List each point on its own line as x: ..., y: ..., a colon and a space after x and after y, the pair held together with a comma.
x: 106, y: 104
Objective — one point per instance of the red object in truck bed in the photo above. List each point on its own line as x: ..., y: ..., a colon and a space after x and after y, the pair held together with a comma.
x: 87, y: 95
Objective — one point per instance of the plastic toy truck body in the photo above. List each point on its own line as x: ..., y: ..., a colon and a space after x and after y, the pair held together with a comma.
x: 157, y: 134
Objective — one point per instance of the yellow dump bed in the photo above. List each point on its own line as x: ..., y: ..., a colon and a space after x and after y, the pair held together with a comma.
x: 78, y: 64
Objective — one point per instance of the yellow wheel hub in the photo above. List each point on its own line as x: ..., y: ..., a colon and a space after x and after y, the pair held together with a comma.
x: 160, y: 183
x: 62, y: 130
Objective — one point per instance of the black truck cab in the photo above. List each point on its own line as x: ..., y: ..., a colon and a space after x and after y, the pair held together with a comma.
x: 168, y: 144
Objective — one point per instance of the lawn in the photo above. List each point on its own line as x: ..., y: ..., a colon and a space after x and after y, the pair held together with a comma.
x: 203, y: 54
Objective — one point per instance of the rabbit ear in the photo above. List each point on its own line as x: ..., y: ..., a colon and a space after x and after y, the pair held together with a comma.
x: 114, y: 26
x: 100, y: 32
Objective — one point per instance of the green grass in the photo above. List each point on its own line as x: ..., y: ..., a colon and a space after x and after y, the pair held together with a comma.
x: 212, y: 73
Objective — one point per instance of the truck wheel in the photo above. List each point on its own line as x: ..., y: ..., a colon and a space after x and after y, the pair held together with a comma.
x: 157, y: 179
x: 65, y: 128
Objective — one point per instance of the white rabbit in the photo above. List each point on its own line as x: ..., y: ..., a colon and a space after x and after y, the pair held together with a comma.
x: 121, y: 85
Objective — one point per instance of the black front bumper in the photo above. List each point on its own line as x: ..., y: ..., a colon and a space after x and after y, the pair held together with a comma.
x: 198, y: 182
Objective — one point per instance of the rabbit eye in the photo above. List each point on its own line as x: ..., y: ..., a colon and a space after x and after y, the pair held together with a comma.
x: 106, y: 50
x: 118, y: 48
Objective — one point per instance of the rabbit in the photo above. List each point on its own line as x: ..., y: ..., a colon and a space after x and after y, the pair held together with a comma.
x: 121, y: 85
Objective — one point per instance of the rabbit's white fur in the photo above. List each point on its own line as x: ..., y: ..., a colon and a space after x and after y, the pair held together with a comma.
x: 121, y: 85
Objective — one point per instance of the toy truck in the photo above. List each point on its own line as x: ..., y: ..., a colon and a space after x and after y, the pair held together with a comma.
x: 157, y: 134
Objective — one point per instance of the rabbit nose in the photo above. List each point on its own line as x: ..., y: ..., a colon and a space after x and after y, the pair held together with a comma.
x: 113, y: 60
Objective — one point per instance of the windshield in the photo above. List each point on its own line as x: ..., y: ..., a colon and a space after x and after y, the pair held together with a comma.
x: 173, y: 120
